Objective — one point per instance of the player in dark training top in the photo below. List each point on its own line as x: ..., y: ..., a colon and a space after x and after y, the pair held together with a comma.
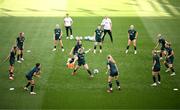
x: 73, y: 54
x: 156, y: 68
x: 169, y: 59
x: 12, y: 59
x: 74, y: 50
x: 113, y: 73
x: 58, y: 36
x: 98, y: 38
x: 20, y: 46
x: 161, y: 41
x: 81, y: 61
x: 132, y: 37
x: 29, y: 76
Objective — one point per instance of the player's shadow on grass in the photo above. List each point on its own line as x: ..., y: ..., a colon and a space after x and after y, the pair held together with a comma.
x: 6, y: 10
x: 86, y: 11
x: 59, y: 10
x: 34, y: 10
x: 107, y: 9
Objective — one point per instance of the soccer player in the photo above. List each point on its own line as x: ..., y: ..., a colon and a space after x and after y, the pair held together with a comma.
x: 132, y: 36
x: 29, y: 76
x: 113, y: 73
x: 81, y: 61
x: 169, y: 59
x: 162, y: 42
x: 156, y: 68
x: 12, y: 57
x: 68, y: 25
x: 74, y: 50
x: 58, y: 36
x: 20, y: 43
x: 98, y: 38
x: 73, y: 54
x: 107, y: 26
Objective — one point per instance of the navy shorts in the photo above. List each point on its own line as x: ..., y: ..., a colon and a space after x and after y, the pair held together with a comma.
x: 11, y: 62
x: 81, y: 63
x: 113, y: 74
x: 57, y: 38
x: 156, y: 69
x: 170, y: 60
x: 28, y: 77
x: 20, y: 47
x: 98, y: 40
x: 132, y: 39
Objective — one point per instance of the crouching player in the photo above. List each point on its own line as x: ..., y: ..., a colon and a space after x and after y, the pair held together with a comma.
x: 98, y: 34
x: 34, y: 72
x: 169, y: 59
x: 113, y: 73
x: 132, y: 37
x: 20, y: 43
x: 156, y: 68
x: 81, y: 61
x: 12, y: 57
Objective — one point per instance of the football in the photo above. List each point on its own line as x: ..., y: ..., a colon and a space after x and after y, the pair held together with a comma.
x: 95, y: 71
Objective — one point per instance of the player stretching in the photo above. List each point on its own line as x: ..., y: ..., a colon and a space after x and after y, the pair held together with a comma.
x: 156, y: 68
x: 98, y: 38
x: 20, y: 43
x: 68, y: 25
x: 169, y: 59
x: 107, y: 26
x: 132, y: 36
x: 12, y: 57
x: 81, y: 61
x: 29, y: 76
x: 162, y: 42
x: 58, y: 36
x: 113, y: 73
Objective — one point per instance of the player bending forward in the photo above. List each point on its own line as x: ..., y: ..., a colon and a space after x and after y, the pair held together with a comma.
x: 156, y: 68
x: 98, y: 38
x: 81, y: 61
x: 113, y: 73
x: 132, y: 36
x: 58, y: 36
x: 169, y: 59
x: 12, y: 59
x: 29, y: 76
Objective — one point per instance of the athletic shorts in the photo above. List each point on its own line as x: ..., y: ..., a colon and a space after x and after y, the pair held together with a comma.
x: 57, y: 38
x: 132, y: 39
x: 170, y: 60
x: 28, y: 77
x: 11, y: 62
x: 98, y: 40
x: 113, y: 74
x: 81, y: 63
x: 20, y: 47
x: 156, y: 69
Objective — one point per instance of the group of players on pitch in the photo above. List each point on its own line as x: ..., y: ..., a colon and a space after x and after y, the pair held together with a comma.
x: 78, y: 52
x: 18, y: 49
x: 167, y: 52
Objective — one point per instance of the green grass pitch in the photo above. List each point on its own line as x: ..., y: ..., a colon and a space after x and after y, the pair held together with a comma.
x: 57, y: 89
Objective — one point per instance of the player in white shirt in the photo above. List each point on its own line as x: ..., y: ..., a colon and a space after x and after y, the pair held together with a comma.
x: 107, y: 26
x: 68, y: 25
